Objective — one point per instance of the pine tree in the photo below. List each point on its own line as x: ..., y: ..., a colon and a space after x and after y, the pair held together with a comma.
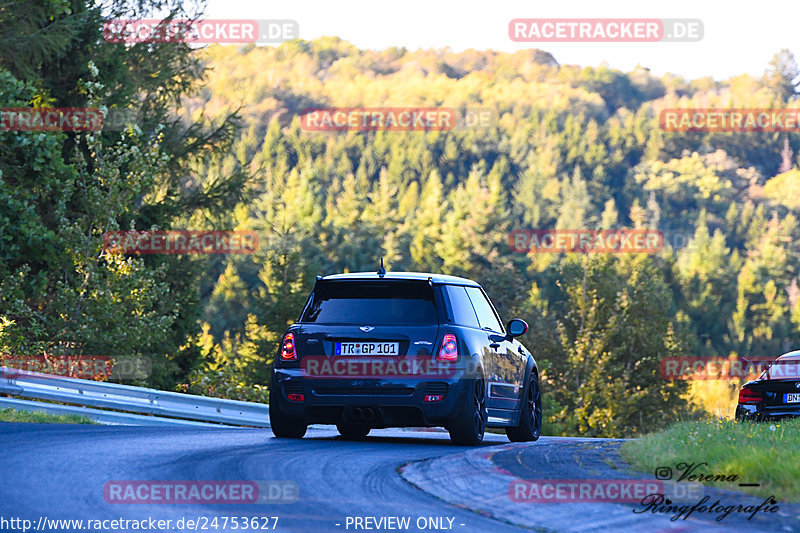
x: 576, y: 207
x: 783, y: 74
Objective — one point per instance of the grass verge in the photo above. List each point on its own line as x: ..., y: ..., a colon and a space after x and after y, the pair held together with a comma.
x: 12, y: 415
x: 764, y: 453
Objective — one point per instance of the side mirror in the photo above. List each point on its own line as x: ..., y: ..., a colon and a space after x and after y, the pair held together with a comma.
x: 516, y: 327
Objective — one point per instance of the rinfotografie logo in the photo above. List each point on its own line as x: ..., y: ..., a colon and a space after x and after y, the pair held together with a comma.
x: 688, y: 473
x: 659, y: 504
x: 694, y: 472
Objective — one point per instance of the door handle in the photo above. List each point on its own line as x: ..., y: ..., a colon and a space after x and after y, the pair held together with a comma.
x: 494, y: 340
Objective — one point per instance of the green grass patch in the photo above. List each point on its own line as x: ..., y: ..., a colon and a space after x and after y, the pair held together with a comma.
x: 764, y: 453
x: 12, y: 415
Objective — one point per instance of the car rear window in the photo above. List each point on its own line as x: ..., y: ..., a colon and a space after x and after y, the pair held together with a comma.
x: 371, y: 302
x: 486, y: 315
x: 463, y: 312
x: 783, y: 369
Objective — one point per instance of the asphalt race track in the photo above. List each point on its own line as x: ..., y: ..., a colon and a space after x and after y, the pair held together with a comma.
x: 60, y: 472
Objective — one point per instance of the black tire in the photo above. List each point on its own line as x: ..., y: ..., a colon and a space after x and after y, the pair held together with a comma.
x: 353, y: 431
x: 530, y: 419
x: 283, y: 426
x: 468, y: 427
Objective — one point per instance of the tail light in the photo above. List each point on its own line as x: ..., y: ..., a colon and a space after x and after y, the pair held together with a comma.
x: 750, y: 396
x: 448, y: 352
x: 296, y: 397
x: 288, y: 350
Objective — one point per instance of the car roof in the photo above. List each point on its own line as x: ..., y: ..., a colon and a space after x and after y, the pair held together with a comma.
x: 791, y: 356
x: 437, y: 279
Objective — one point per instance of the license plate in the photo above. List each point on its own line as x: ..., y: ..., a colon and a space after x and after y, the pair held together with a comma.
x: 792, y: 397
x: 367, y: 348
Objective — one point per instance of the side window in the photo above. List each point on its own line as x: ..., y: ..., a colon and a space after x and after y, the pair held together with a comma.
x: 483, y: 308
x: 463, y: 313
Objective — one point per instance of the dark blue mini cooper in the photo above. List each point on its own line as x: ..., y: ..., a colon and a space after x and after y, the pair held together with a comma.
x: 404, y: 349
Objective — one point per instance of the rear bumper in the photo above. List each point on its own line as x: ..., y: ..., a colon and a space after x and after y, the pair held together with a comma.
x: 394, y: 402
x: 760, y: 413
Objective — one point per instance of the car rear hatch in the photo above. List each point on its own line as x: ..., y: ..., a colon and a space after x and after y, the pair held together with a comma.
x: 375, y: 318
x: 780, y: 384
x: 367, y: 340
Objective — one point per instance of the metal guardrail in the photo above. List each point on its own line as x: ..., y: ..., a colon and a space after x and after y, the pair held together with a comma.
x: 103, y: 395
x: 102, y: 417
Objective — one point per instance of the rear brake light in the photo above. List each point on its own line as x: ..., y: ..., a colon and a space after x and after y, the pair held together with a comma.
x: 448, y: 352
x: 434, y: 397
x: 296, y: 397
x: 288, y: 351
x: 750, y: 396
